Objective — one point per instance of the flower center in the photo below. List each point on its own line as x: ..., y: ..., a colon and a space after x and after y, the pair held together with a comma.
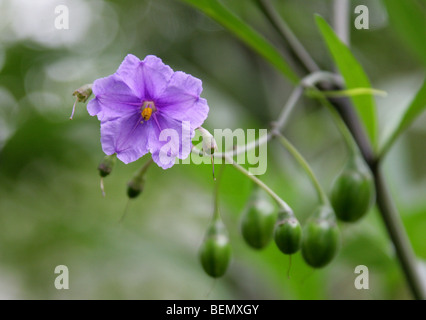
x: 148, y: 108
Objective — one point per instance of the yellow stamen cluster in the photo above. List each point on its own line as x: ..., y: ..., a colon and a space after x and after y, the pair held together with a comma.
x: 146, y: 113
x: 148, y: 108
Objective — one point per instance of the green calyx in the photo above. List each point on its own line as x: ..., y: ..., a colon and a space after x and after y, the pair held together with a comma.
x: 135, y: 187
x: 106, y: 165
x: 321, y: 238
x: 258, y: 220
x: 353, y: 191
x: 83, y: 93
x: 215, y: 251
x: 288, y: 233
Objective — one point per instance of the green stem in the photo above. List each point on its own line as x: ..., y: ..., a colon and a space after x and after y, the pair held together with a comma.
x: 349, y: 93
x: 274, y: 196
x: 216, y: 213
x: 395, y: 228
x: 309, y: 81
x: 341, y: 126
x: 141, y: 172
x: 385, y: 203
x: 318, y: 77
x: 288, y: 107
x: 304, y: 164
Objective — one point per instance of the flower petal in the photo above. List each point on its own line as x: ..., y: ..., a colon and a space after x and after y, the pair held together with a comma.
x: 130, y: 72
x: 181, y: 100
x: 167, y: 135
x: 113, y: 98
x: 170, y: 138
x: 126, y: 136
x: 147, y: 78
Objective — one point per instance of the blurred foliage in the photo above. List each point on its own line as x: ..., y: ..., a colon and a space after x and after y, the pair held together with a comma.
x: 51, y: 208
x: 354, y: 77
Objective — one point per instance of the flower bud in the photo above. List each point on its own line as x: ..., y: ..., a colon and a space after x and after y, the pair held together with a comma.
x: 353, y: 191
x: 105, y: 168
x: 209, y: 143
x: 258, y: 220
x: 135, y: 186
x: 106, y: 165
x: 321, y: 238
x: 83, y: 93
x: 215, y: 251
x: 288, y: 233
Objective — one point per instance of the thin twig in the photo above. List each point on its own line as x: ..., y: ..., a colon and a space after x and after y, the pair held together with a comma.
x: 385, y: 202
x: 281, y: 26
x: 216, y: 192
x: 341, y: 20
x: 310, y: 80
x: 322, y: 197
x: 394, y: 225
x: 261, y: 184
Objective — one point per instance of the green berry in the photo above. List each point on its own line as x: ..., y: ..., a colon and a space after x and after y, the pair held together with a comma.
x: 288, y: 234
x: 215, y: 251
x: 135, y: 187
x: 258, y: 220
x: 321, y: 238
x: 106, y: 165
x: 353, y: 192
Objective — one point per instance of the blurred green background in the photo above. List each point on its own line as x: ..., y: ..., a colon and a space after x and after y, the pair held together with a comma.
x: 51, y: 209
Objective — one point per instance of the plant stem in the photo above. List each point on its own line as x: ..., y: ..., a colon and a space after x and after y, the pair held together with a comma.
x: 274, y: 196
x: 396, y: 231
x: 347, y: 113
x: 279, y: 124
x: 281, y: 26
x: 385, y: 204
x: 216, y: 214
x: 341, y: 126
x: 322, y: 197
x: 341, y: 20
x: 140, y: 173
x: 288, y: 108
x: 310, y: 81
x: 349, y: 93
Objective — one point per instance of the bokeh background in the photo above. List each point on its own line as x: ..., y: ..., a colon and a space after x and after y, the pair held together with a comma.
x: 51, y: 209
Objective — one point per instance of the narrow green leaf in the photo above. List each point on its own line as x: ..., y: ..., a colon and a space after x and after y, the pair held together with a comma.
x: 354, y: 77
x: 215, y: 10
x: 346, y: 93
x: 411, y: 112
x: 408, y: 17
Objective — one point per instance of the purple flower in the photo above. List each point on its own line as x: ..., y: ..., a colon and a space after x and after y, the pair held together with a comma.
x: 147, y: 107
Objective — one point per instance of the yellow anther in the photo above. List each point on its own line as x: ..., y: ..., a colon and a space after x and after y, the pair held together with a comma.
x: 146, y: 113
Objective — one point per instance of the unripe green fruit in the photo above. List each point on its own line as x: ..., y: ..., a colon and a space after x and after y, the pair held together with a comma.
x: 106, y: 165
x: 321, y: 238
x: 353, y: 192
x: 258, y: 220
x: 215, y: 252
x: 135, y: 187
x: 288, y: 235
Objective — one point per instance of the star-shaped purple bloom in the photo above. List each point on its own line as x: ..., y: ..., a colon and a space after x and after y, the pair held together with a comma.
x: 147, y: 107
